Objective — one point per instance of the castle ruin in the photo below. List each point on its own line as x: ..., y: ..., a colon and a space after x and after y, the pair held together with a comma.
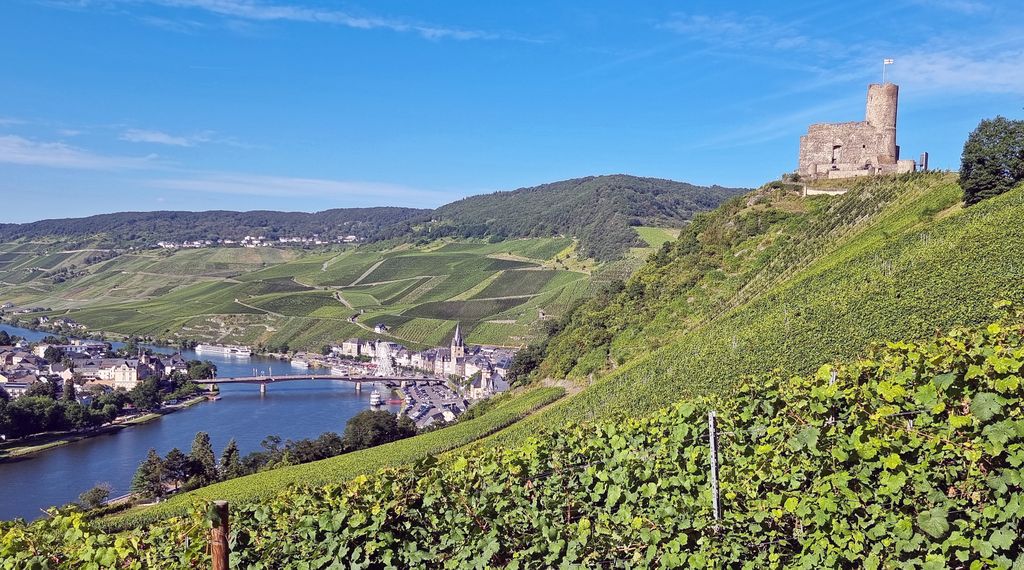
x: 864, y: 148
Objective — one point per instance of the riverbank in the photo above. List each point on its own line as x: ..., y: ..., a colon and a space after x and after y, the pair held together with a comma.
x: 31, y: 445
x: 119, y: 339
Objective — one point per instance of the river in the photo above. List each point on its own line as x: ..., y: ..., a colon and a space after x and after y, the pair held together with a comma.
x: 292, y: 410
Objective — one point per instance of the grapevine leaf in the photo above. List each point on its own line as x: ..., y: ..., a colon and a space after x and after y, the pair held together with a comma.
x: 1002, y: 539
x: 806, y: 438
x: 1001, y: 432
x: 943, y: 381
x: 934, y: 522
x: 985, y: 405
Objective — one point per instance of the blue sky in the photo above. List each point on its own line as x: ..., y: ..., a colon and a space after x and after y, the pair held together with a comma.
x: 110, y: 105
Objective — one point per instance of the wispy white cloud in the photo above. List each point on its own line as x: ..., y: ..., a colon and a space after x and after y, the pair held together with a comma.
x: 731, y: 30
x: 157, y: 137
x: 959, y: 71
x: 180, y: 26
x: 6, y: 121
x: 69, y: 132
x: 160, y: 137
x: 267, y: 12
x: 780, y: 126
x: 969, y: 7
x: 706, y: 25
x: 19, y: 150
x: 237, y: 12
x: 287, y: 187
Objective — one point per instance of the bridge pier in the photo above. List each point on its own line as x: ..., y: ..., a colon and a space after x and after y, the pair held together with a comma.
x: 403, y: 384
x: 359, y: 386
x: 263, y: 388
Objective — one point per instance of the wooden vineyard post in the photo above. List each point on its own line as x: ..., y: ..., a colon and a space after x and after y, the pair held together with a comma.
x: 219, y: 535
x: 713, y: 442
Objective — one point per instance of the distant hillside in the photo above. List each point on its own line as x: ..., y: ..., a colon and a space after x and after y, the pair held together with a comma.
x: 598, y: 210
x: 150, y: 227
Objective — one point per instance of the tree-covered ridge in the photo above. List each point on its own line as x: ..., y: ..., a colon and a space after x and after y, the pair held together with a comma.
x: 907, y: 457
x: 149, y: 227
x: 599, y: 210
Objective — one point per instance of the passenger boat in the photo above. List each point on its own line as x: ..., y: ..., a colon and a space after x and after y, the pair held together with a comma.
x: 224, y: 349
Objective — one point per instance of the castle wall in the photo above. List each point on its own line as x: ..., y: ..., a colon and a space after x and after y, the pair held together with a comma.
x: 844, y: 150
x: 839, y: 146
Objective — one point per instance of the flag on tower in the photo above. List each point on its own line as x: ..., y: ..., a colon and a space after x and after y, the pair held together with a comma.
x: 887, y: 61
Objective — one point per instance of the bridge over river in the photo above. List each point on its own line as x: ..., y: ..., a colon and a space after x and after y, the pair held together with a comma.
x: 266, y: 380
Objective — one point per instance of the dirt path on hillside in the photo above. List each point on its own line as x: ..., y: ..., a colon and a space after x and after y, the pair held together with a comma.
x: 368, y: 272
x: 244, y: 304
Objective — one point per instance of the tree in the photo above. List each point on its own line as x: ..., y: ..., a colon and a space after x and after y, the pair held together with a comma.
x: 75, y: 415
x: 202, y: 463
x: 992, y: 160
x: 406, y: 426
x: 524, y: 363
x: 5, y: 339
x: 94, y: 498
x: 32, y: 414
x: 69, y: 394
x: 42, y: 389
x: 53, y: 354
x: 5, y: 419
x: 131, y: 346
x: 177, y: 467
x: 146, y: 395
x: 201, y: 370
x: 230, y: 461
x: 149, y: 477
x: 369, y: 428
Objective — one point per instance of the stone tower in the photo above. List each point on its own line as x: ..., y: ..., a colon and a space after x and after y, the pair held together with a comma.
x: 881, y: 115
x: 458, y: 347
x: 846, y: 150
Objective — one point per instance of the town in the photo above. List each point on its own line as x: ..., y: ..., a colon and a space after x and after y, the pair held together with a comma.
x: 89, y: 372
x: 470, y: 373
x: 259, y: 241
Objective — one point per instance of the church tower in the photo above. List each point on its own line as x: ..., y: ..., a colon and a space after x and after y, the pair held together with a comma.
x: 458, y: 345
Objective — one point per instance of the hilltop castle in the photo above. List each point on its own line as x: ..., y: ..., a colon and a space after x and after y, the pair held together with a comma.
x: 864, y: 148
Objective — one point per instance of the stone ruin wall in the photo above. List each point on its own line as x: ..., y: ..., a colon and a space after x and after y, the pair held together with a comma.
x: 858, y: 146
x: 864, y: 148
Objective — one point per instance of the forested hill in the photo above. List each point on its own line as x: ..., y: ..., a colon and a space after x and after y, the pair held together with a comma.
x: 598, y: 210
x: 150, y: 227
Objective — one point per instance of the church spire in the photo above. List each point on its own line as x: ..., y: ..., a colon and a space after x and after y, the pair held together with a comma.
x: 458, y: 345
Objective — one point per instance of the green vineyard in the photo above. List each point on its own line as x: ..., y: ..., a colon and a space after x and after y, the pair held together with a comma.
x: 908, y: 457
x: 273, y: 298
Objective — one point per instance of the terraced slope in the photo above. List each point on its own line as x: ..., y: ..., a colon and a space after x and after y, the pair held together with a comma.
x: 289, y: 299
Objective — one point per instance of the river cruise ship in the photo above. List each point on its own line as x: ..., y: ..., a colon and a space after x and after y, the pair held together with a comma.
x: 224, y: 350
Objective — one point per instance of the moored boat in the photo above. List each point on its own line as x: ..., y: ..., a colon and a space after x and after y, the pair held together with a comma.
x: 224, y: 349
